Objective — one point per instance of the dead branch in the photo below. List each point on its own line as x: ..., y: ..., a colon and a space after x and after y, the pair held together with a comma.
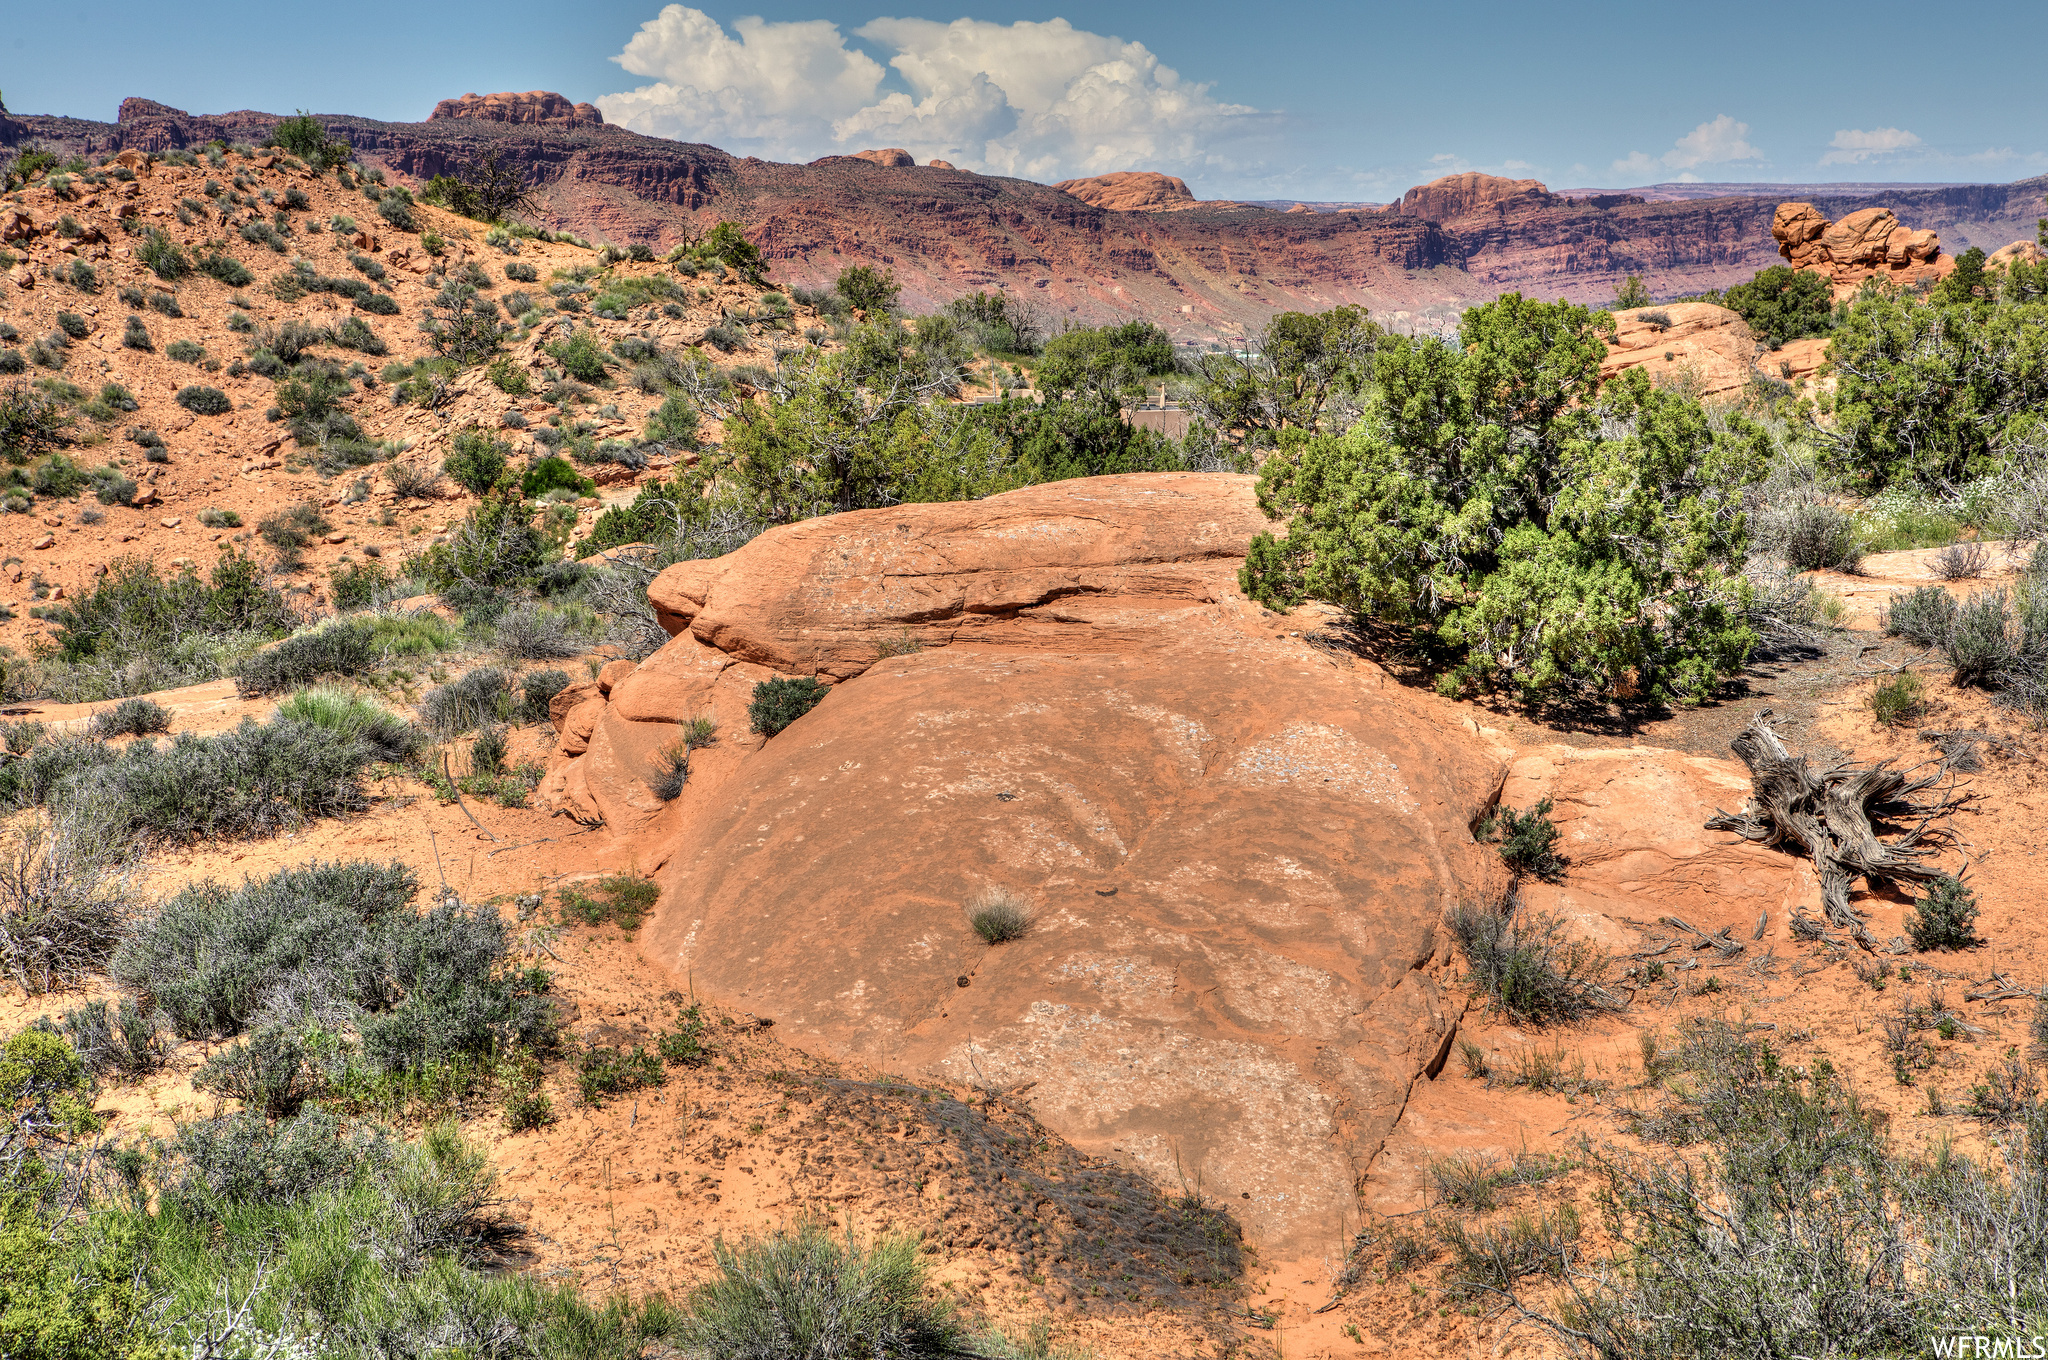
x: 1833, y: 816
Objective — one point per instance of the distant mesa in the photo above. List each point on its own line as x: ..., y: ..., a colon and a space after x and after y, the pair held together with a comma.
x: 1867, y: 242
x: 1301, y: 208
x: 135, y: 110
x: 542, y: 108
x: 888, y: 155
x: 1130, y: 191
x: 1456, y: 196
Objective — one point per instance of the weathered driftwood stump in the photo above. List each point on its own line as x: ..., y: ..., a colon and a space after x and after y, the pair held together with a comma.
x: 1834, y: 814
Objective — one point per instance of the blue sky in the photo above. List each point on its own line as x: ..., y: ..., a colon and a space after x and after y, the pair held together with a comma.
x: 1310, y: 100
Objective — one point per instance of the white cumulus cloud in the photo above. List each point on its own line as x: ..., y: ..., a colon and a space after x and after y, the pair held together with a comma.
x: 1040, y: 100
x: 1718, y: 142
x: 1853, y: 146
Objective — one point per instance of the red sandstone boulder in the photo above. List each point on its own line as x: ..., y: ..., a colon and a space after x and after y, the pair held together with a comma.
x: 1237, y: 850
x: 1130, y: 191
x: 894, y: 156
x: 1710, y: 347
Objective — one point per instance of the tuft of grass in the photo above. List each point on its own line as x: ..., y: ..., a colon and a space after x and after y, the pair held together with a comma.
x: 1527, y: 964
x: 802, y: 1292
x: 999, y: 915
x: 352, y: 716
x: 671, y: 772
x: 621, y: 899
x: 1897, y: 699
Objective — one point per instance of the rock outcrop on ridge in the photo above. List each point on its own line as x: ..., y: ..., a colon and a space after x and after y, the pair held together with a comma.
x: 1130, y: 191
x: 537, y: 107
x: 1236, y: 859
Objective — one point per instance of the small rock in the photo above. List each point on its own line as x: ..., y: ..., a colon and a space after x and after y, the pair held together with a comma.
x: 53, y: 520
x: 46, y: 541
x: 172, y: 521
x: 337, y: 538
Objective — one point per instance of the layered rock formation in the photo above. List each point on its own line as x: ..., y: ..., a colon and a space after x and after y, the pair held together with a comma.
x: 1459, y: 196
x: 541, y: 108
x: 1203, y: 269
x: 1130, y: 191
x: 1865, y: 243
x: 1236, y: 851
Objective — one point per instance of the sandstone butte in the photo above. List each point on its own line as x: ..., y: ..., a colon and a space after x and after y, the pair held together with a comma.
x: 1202, y: 269
x: 1237, y: 850
x: 1868, y: 243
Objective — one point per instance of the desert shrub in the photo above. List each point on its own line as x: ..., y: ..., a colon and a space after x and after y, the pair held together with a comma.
x: 674, y: 422
x: 353, y: 717
x: 1897, y: 699
x: 1960, y: 562
x: 509, y: 378
x: 112, y: 487
x: 162, y: 256
x: 1926, y: 615
x: 537, y: 632
x: 211, y: 1164
x: 204, y: 401
x: 778, y: 702
x: 620, y: 899
x: 398, y: 212
x: 64, y: 893
x: 536, y: 689
x: 554, y: 473
x: 166, y: 304
x: 1526, y: 964
x: 73, y: 325
x: 173, y: 626
x: 581, y: 356
x: 226, y: 268
x: 354, y: 585
x: 132, y: 718
x: 213, y: 517
x: 185, y: 351
x: 261, y: 233
x: 518, y: 271
x: 354, y: 333
x: 476, y: 461
x: 1945, y: 918
x: 1810, y: 535
x: 867, y: 289
x: 82, y: 276
x: 251, y: 781
x: 378, y: 304
x: 1978, y: 644
x: 409, y: 480
x: 118, y: 1037
x: 480, y: 697
x: 32, y: 423
x: 11, y: 360
x: 725, y: 337
x: 345, y: 648
x: 1527, y: 840
x: 998, y: 915
x: 269, y: 1073
x: 1783, y: 304
x: 136, y: 335
x: 800, y: 1292
x: 1545, y: 599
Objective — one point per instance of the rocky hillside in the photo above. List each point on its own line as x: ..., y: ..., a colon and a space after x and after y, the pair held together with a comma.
x: 157, y: 306
x: 1204, y: 270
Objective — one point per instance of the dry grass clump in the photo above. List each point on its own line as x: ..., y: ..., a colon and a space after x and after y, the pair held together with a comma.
x: 999, y: 915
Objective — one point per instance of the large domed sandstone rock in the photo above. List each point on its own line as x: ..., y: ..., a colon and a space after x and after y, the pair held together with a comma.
x: 1237, y: 849
x: 539, y: 107
x: 1708, y: 345
x: 1130, y: 191
x: 893, y: 156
